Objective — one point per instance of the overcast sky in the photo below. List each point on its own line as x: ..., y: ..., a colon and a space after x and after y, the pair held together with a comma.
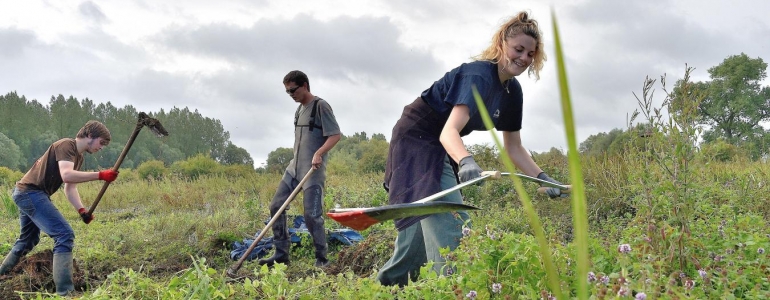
x: 368, y: 59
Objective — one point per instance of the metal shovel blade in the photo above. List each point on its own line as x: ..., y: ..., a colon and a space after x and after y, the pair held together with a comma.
x: 362, y: 218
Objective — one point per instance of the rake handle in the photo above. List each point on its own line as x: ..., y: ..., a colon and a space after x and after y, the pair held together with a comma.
x: 117, y: 166
x: 235, y: 267
x: 484, y: 175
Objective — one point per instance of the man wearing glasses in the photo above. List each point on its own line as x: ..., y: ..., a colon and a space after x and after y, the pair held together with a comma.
x: 315, y: 133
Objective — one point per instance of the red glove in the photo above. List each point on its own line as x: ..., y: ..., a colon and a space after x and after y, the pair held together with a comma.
x: 108, y: 175
x: 85, y: 215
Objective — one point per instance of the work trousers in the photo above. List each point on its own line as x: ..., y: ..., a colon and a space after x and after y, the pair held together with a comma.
x: 420, y: 243
x: 37, y: 213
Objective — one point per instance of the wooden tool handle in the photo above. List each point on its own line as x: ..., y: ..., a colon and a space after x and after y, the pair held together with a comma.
x: 492, y: 174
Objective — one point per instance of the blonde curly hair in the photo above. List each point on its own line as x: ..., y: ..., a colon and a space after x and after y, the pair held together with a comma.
x: 518, y: 24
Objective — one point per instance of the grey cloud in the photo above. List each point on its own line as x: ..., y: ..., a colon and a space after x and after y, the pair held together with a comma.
x: 355, y: 49
x: 13, y: 41
x: 92, y: 11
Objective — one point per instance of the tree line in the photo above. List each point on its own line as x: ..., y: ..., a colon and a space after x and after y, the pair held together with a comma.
x: 28, y: 127
x: 731, y: 110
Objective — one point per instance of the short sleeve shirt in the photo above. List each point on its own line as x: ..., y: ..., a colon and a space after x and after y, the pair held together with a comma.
x: 44, y: 174
x: 503, y: 101
x: 308, y: 138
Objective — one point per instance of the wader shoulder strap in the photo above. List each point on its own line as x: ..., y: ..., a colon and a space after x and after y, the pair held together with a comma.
x: 311, y: 122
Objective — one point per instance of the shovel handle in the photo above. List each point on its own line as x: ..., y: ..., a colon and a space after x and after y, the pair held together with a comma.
x: 117, y: 166
x: 233, y: 270
x: 484, y: 175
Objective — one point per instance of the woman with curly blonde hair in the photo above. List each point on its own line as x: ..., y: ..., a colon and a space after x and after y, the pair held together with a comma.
x: 427, y: 154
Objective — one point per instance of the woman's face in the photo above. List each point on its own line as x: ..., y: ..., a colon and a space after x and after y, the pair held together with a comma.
x: 519, y: 51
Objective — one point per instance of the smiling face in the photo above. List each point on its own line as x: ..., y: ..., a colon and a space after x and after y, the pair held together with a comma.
x: 519, y: 53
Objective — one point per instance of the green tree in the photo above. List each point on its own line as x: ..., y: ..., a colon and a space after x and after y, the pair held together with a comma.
x: 278, y: 159
x: 735, y: 103
x: 10, y: 155
x: 375, y: 153
x: 599, y: 143
x: 486, y: 155
x: 379, y: 136
x: 236, y: 155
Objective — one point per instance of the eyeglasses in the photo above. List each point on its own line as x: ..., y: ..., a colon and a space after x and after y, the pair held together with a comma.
x: 292, y: 90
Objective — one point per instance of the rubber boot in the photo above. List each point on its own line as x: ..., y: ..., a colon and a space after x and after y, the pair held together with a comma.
x: 281, y: 255
x: 9, y: 262
x: 313, y: 204
x: 62, y: 273
x: 319, y: 243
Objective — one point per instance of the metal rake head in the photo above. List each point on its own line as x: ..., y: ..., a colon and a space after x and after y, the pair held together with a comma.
x: 153, y: 124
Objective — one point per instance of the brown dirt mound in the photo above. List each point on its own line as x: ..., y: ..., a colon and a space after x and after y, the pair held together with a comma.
x: 363, y: 257
x: 33, y: 274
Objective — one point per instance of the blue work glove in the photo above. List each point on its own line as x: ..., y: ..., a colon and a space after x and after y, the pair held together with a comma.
x: 551, y: 191
x: 469, y: 170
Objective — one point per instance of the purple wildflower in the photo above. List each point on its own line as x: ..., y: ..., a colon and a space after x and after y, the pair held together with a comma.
x: 591, y: 277
x: 761, y: 251
x: 702, y: 273
x: 466, y: 231
x: 689, y: 284
x: 497, y: 287
x: 640, y: 296
x: 471, y: 295
x: 605, y: 279
x: 490, y: 233
x: 624, y: 248
x: 623, y: 291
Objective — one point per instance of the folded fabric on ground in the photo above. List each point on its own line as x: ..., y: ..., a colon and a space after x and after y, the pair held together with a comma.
x: 340, y: 236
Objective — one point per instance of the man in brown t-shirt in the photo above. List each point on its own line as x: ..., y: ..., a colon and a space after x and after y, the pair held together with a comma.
x: 60, y: 164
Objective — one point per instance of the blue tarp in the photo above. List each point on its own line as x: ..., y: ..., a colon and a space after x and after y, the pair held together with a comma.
x: 342, y: 236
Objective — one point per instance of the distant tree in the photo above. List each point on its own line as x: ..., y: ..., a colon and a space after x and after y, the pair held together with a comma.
x: 486, y: 155
x: 152, y: 169
x: 169, y: 155
x: 375, y: 153
x: 734, y: 102
x: 278, y: 159
x: 599, y: 143
x: 10, y: 155
x: 379, y: 136
x: 236, y: 155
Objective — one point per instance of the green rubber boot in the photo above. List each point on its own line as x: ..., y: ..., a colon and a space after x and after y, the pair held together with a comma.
x: 62, y: 273
x: 10, y: 261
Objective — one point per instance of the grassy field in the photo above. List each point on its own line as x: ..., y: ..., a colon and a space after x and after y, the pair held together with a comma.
x: 665, y: 220
x: 170, y: 239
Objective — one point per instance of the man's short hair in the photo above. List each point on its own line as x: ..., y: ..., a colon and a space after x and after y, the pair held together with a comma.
x: 94, y: 129
x: 297, y: 77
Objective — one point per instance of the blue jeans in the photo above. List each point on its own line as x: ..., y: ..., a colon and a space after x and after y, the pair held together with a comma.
x: 36, y: 213
x: 420, y: 243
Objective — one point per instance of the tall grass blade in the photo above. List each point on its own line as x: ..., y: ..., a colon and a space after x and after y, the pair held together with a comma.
x: 534, y: 220
x: 579, y: 211
x: 9, y: 207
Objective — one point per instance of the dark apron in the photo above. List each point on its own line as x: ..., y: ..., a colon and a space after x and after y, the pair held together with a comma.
x: 415, y: 158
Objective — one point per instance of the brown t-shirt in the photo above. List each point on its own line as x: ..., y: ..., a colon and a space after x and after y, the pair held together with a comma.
x: 44, y: 174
